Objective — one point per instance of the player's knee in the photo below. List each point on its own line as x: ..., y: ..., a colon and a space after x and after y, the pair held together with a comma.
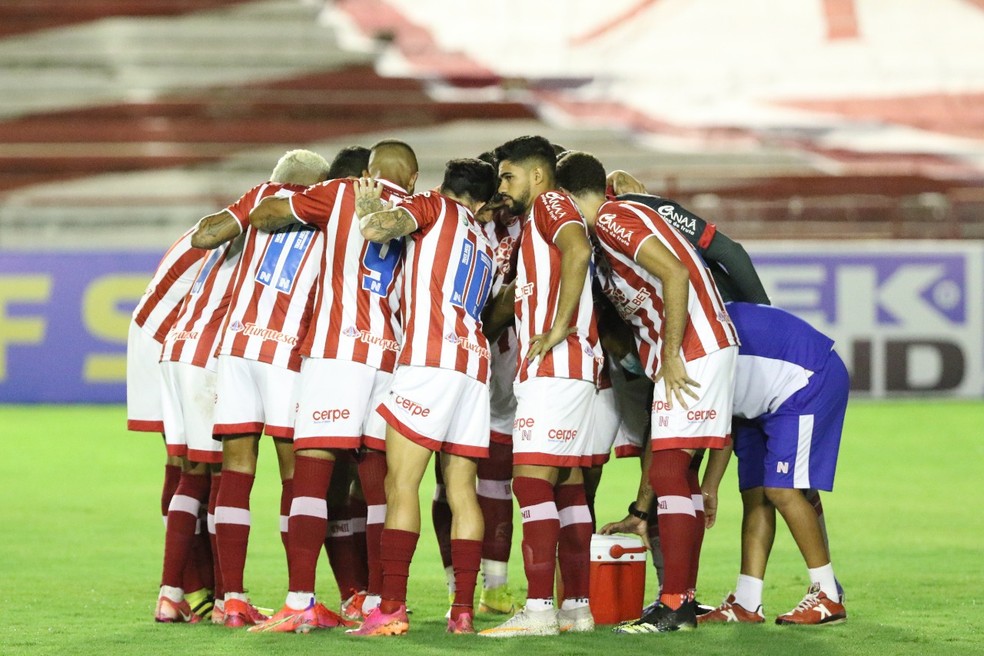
x: 783, y: 497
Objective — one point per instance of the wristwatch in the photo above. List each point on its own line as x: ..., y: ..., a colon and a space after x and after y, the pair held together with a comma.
x: 635, y: 512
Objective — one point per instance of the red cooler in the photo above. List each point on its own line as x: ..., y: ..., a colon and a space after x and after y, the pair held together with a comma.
x: 618, y: 577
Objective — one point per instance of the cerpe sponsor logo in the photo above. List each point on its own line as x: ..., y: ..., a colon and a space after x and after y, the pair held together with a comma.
x: 661, y: 406
x: 618, y: 233
x: 701, y: 415
x: 252, y: 330
x: 367, y: 337
x: 524, y: 425
x: 414, y: 408
x: 561, y: 434
x: 330, y: 415
x: 680, y: 221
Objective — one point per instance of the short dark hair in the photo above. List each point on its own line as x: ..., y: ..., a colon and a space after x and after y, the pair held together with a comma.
x: 579, y: 172
x: 350, y: 162
x: 523, y: 149
x: 488, y: 156
x: 469, y: 177
x: 559, y: 150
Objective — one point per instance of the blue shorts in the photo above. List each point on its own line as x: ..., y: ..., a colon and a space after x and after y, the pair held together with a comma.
x: 796, y: 446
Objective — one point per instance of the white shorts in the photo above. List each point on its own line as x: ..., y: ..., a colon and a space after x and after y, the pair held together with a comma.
x: 604, y: 426
x: 706, y: 423
x: 441, y: 409
x: 635, y: 400
x: 144, y: 381
x: 553, y: 420
x: 251, y: 395
x: 336, y: 400
x: 502, y: 399
x: 189, y: 405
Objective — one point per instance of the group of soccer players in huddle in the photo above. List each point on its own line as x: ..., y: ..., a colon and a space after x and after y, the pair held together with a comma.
x: 520, y: 320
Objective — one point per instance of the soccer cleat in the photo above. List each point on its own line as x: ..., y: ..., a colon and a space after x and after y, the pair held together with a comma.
x: 241, y: 613
x: 379, y: 623
x: 730, y: 611
x: 815, y: 609
x: 526, y: 623
x: 462, y: 625
x: 576, y: 620
x: 663, y: 619
x: 174, y: 612
x: 352, y: 607
x: 202, y: 602
x: 702, y: 609
x: 288, y: 620
x: 498, y: 600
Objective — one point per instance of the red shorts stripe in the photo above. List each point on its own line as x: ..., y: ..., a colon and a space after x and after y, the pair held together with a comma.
x: 500, y: 438
x: 547, y: 460
x: 347, y: 442
x: 248, y: 428
x: 211, y: 457
x: 144, y: 426
x: 715, y: 442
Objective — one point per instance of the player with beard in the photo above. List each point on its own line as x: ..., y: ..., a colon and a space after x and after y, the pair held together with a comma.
x: 559, y: 358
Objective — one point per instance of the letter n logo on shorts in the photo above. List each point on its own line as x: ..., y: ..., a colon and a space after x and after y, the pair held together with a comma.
x: 782, y: 468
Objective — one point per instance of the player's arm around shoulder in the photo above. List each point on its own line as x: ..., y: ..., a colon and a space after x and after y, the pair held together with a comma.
x: 215, y: 230
x: 377, y: 221
x: 272, y: 213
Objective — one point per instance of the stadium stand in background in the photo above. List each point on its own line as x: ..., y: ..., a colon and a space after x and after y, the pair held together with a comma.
x: 123, y: 121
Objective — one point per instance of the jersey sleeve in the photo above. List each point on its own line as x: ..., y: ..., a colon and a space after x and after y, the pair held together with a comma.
x: 424, y: 208
x: 241, y: 208
x: 552, y: 211
x: 313, y: 205
x: 621, y: 229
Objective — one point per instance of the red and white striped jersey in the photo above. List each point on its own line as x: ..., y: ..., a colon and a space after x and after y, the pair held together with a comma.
x: 538, y: 292
x: 158, y: 308
x: 448, y: 277
x: 503, y: 233
x: 357, y: 305
x: 621, y: 229
x: 272, y: 287
x: 195, y: 333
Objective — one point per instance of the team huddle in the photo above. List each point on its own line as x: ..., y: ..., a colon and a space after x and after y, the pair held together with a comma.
x: 522, y: 320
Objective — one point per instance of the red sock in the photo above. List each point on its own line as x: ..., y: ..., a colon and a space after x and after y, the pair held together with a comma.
x: 441, y: 517
x: 397, y: 554
x: 172, y: 476
x: 466, y: 555
x: 213, y: 495
x: 574, y: 541
x: 698, y: 500
x: 182, y: 519
x: 495, y: 499
x: 676, y: 518
x: 372, y: 474
x: 286, y: 497
x: 360, y: 564
x: 308, y: 523
x: 232, y: 522
x: 541, y: 528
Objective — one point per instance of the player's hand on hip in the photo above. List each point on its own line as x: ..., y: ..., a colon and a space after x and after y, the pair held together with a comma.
x: 673, y: 373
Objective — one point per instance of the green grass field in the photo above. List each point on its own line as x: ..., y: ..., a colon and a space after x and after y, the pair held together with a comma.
x: 81, y: 542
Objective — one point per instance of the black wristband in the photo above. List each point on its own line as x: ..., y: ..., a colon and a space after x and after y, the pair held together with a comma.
x: 637, y: 513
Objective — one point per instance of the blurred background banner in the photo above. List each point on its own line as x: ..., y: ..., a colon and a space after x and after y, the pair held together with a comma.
x: 906, y: 317
x: 63, y: 323
x: 851, y: 129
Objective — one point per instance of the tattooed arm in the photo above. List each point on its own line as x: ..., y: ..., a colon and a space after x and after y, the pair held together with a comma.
x: 378, y: 220
x: 272, y: 213
x: 386, y: 225
x: 215, y: 230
